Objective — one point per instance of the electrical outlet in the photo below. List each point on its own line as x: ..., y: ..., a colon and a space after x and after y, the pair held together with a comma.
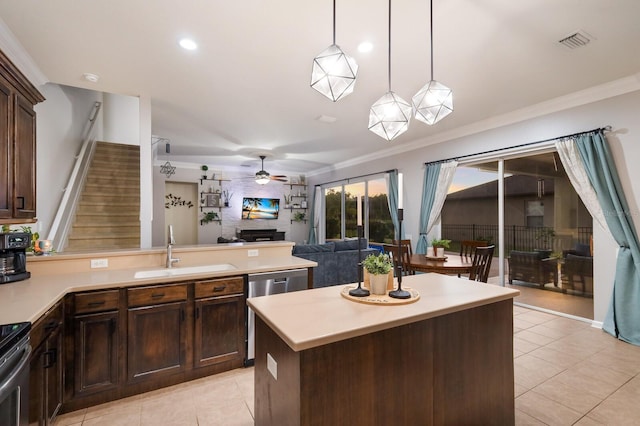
x: 99, y: 263
x: 272, y: 366
x: 252, y: 253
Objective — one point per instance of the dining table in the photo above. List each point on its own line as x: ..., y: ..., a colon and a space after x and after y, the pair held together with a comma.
x: 450, y: 265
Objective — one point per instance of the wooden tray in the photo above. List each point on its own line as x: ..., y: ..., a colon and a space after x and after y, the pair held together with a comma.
x: 380, y: 299
x: 443, y: 258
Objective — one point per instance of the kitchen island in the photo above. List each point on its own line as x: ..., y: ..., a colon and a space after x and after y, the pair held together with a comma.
x: 445, y: 359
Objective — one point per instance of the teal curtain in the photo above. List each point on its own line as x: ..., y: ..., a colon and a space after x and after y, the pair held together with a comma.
x: 393, y: 200
x: 313, y: 217
x: 623, y: 317
x: 429, y: 187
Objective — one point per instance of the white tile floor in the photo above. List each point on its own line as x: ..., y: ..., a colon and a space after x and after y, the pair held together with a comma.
x: 566, y: 373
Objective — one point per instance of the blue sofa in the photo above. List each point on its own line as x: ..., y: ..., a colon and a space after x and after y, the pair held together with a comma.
x: 337, y: 260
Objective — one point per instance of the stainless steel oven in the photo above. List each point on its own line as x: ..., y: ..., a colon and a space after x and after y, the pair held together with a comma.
x: 14, y: 374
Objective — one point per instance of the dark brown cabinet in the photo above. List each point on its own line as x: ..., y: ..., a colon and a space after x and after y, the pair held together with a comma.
x: 219, y: 321
x: 46, y: 368
x: 17, y: 145
x: 157, y: 331
x: 95, y: 342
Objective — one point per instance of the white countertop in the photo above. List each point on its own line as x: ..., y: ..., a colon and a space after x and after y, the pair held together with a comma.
x: 311, y: 318
x: 27, y: 300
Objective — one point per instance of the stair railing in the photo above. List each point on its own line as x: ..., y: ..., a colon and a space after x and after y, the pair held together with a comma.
x: 61, y: 225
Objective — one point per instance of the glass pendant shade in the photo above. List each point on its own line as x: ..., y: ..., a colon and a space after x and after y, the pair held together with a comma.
x: 389, y: 116
x: 334, y: 73
x: 433, y: 102
x: 262, y: 177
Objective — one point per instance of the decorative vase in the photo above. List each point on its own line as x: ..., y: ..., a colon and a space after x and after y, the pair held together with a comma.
x: 378, y: 283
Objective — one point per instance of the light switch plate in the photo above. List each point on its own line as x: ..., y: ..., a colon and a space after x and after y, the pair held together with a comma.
x: 252, y: 252
x: 272, y: 366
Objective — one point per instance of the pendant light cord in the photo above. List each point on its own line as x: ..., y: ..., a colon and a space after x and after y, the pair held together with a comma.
x: 334, y: 22
x: 389, y: 62
x: 431, y: 26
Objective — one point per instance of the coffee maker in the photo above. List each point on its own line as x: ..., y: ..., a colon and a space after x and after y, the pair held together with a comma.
x: 13, y: 259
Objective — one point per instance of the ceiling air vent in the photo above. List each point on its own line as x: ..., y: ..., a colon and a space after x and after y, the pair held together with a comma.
x: 575, y: 40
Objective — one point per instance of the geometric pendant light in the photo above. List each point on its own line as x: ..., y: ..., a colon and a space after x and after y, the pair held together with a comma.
x: 334, y: 72
x: 389, y: 116
x: 435, y: 100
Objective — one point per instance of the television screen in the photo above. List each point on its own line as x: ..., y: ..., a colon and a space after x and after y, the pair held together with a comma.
x: 260, y: 208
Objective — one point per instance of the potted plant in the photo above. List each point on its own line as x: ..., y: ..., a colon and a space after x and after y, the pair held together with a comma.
x: 204, y: 169
x: 299, y: 216
x: 439, y: 245
x: 209, y: 217
x: 378, y: 266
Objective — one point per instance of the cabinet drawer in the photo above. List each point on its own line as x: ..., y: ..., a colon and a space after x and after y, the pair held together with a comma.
x: 219, y: 287
x: 46, y: 324
x: 156, y: 294
x: 97, y: 301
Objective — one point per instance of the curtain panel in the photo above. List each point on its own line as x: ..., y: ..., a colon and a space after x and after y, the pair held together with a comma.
x: 391, y: 180
x: 623, y: 317
x: 315, y: 214
x: 437, y: 179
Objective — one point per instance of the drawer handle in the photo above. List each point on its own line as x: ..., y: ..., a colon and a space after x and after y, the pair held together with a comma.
x: 157, y: 295
x: 96, y: 304
x: 219, y: 288
x: 50, y: 325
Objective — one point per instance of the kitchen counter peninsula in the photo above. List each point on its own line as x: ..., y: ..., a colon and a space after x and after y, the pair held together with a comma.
x: 445, y: 359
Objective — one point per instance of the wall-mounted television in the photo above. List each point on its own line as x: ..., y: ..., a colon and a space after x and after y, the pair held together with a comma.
x: 260, y: 208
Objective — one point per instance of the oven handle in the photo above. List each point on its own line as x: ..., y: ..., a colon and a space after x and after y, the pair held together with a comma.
x: 7, y: 387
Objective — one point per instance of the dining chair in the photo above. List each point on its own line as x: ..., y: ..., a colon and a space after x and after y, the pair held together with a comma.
x: 481, y: 264
x: 468, y: 247
x: 392, y: 250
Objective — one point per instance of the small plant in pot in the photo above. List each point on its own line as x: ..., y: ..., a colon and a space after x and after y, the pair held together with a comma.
x: 378, y: 266
x: 204, y: 169
x: 439, y: 246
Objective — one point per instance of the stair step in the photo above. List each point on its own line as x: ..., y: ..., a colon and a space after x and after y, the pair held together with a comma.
x: 91, y: 244
x: 94, y: 187
x: 107, y: 209
x: 113, y: 181
x: 111, y: 198
x: 110, y: 231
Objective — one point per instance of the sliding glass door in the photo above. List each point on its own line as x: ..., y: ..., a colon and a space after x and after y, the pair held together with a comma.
x: 541, y: 229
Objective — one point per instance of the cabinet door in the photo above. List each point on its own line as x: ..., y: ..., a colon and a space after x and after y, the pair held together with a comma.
x: 6, y: 157
x: 36, y: 387
x: 24, y: 200
x: 156, y: 340
x: 96, y: 352
x: 219, y: 330
x: 53, y: 375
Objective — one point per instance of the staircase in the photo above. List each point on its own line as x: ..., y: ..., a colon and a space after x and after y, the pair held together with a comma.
x: 108, y: 213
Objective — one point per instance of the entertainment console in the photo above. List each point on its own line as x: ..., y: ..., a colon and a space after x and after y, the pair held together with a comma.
x: 260, y: 235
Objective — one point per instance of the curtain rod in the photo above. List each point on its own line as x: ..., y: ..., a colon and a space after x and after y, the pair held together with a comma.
x: 348, y: 180
x: 604, y: 129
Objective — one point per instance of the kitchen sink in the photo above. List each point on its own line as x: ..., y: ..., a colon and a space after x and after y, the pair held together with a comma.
x: 173, y: 272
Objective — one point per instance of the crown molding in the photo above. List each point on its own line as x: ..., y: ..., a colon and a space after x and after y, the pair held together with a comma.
x: 593, y: 94
x: 19, y: 56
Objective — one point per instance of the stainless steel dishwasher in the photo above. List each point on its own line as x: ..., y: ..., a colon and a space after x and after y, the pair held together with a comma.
x: 265, y: 284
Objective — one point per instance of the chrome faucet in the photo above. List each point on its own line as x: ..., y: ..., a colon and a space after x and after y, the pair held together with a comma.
x: 170, y: 260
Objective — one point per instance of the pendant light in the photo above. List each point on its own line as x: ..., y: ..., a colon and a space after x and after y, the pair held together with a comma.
x: 435, y: 100
x: 389, y: 116
x: 334, y: 72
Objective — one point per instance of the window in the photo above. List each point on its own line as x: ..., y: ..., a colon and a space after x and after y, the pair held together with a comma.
x: 341, y: 210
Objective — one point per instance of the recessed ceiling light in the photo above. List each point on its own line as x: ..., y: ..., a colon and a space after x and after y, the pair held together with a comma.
x: 93, y: 78
x: 187, y: 43
x: 365, y: 47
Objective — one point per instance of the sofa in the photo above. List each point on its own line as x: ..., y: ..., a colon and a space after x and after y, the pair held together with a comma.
x: 532, y: 267
x: 337, y: 260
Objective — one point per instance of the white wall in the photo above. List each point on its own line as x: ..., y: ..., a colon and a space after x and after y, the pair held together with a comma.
x: 121, y: 119
x: 61, y: 120
x: 621, y: 112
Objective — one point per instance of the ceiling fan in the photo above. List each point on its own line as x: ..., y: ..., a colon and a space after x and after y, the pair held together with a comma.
x: 263, y: 177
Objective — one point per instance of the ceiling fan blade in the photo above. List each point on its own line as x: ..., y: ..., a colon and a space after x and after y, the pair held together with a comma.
x: 278, y: 179
x: 280, y: 176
